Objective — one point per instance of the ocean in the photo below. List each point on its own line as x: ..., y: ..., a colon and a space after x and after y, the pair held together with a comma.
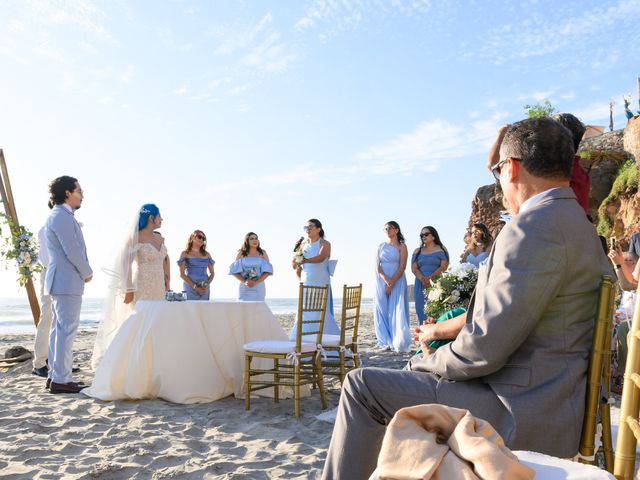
x: 15, y: 313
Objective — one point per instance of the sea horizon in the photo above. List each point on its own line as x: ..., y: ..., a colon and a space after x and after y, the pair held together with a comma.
x: 16, y: 318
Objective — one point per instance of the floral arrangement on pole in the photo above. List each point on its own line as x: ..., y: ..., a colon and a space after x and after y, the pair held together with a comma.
x: 21, y: 248
x: 452, y: 289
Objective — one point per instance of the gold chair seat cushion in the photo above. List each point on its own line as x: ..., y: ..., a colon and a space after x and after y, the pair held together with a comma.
x: 554, y: 468
x: 278, y: 346
x: 329, y: 340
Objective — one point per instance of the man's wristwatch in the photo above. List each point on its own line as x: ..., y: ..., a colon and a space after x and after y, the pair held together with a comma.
x: 618, y: 266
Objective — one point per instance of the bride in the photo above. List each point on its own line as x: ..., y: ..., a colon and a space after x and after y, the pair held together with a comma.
x: 139, y: 271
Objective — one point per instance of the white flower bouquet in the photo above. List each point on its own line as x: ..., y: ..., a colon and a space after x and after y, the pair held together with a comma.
x: 21, y: 248
x: 251, y: 275
x: 452, y: 289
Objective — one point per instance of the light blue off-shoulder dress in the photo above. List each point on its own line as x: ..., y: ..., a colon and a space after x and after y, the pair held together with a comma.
x: 245, y: 266
x: 197, y: 270
x: 317, y: 274
x: 391, y: 314
x: 427, y: 264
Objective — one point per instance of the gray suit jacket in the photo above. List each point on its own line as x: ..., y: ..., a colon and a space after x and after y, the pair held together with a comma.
x: 68, y: 264
x: 529, y: 330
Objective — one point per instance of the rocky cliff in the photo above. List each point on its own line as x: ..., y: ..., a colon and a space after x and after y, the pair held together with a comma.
x: 613, y: 205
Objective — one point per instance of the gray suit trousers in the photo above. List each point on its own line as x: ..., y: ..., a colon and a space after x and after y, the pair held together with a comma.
x: 371, y: 396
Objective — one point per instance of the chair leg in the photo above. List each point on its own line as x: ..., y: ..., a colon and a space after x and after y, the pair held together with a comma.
x: 276, y: 374
x: 296, y: 389
x: 356, y: 358
x: 342, y: 368
x: 318, y: 373
x: 247, y: 381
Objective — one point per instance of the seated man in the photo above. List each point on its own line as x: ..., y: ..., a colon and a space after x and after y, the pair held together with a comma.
x: 520, y: 362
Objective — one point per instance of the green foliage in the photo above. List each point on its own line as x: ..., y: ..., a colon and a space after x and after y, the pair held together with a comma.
x: 545, y: 109
x: 627, y: 181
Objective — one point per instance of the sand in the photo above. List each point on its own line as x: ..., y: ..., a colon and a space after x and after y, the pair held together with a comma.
x: 44, y: 436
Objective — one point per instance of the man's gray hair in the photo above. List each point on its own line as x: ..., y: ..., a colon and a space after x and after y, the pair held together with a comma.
x: 544, y: 146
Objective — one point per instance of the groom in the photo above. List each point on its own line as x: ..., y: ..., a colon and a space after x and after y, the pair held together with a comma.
x: 67, y: 273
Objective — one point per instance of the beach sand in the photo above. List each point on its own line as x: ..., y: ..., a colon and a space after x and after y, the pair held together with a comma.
x: 45, y: 436
x: 72, y: 436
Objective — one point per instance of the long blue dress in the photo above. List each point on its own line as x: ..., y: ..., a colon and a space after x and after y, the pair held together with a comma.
x: 196, y: 270
x: 391, y: 313
x: 244, y: 266
x: 317, y: 274
x: 427, y: 264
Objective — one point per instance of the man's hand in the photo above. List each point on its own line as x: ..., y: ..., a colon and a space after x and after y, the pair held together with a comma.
x: 425, y: 334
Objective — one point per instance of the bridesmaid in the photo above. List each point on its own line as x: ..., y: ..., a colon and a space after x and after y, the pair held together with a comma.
x: 315, y: 270
x: 251, y: 268
x: 194, y: 263
x: 427, y: 262
x: 480, y: 245
x: 391, y: 300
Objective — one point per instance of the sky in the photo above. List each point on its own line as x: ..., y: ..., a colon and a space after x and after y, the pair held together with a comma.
x: 238, y: 116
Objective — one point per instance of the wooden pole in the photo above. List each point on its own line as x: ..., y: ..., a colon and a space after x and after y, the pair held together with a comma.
x: 10, y: 209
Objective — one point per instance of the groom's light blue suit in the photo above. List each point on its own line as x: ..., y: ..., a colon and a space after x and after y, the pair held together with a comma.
x: 65, y: 279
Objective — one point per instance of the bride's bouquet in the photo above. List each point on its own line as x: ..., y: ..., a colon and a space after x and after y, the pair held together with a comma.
x: 452, y: 289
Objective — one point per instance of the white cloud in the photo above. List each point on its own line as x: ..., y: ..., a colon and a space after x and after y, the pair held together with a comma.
x: 181, y: 90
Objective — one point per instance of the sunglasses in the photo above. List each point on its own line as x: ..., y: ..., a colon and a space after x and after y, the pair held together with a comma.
x: 497, y: 168
x: 388, y: 229
x: 308, y: 228
x: 425, y: 235
x: 201, y: 237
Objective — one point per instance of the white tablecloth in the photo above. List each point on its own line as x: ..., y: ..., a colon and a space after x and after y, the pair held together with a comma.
x: 183, y: 352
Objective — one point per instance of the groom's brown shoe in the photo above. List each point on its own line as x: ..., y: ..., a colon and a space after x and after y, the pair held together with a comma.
x: 71, y: 387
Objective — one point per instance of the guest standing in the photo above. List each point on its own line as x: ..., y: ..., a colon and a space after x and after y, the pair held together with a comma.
x: 251, y: 268
x: 427, y: 262
x: 67, y: 273
x: 315, y: 270
x: 391, y: 300
x: 480, y: 245
x: 139, y: 270
x: 43, y: 330
x: 196, y: 267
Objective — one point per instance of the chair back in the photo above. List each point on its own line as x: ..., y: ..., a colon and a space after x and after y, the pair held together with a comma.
x: 312, y: 307
x: 599, y: 379
x: 629, y: 428
x: 351, y: 299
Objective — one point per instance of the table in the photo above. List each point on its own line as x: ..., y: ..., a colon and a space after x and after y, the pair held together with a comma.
x: 183, y: 352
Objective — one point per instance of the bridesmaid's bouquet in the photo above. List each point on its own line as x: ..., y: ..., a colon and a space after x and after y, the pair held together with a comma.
x: 452, y: 289
x: 298, y: 256
x: 251, y: 275
x: 202, y: 284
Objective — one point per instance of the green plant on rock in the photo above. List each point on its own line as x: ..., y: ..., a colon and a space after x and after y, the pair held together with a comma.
x: 626, y: 182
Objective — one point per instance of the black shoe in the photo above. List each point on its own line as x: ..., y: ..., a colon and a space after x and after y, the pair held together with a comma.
x: 75, y: 369
x: 41, y: 372
x: 71, y: 387
x: 48, y: 384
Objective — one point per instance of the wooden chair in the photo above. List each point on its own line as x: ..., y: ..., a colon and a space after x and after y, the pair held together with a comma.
x: 629, y: 428
x: 596, y: 405
x: 597, y: 399
x: 294, y: 363
x: 346, y: 344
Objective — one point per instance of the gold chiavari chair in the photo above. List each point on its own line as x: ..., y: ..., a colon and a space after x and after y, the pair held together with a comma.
x: 295, y: 363
x: 629, y: 428
x: 547, y: 467
x: 346, y: 344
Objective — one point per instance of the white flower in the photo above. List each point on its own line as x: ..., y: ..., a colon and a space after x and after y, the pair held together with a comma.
x: 80, y: 224
x: 26, y: 258
x: 298, y: 258
x: 434, y: 294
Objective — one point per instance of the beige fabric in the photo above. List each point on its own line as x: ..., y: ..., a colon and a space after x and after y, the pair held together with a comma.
x: 439, y: 442
x: 184, y: 352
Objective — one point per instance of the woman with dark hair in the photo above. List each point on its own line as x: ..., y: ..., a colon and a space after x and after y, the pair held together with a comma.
x: 251, y: 268
x: 196, y: 267
x: 480, y: 245
x: 313, y: 267
x: 427, y: 262
x: 391, y: 313
x: 139, y: 271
